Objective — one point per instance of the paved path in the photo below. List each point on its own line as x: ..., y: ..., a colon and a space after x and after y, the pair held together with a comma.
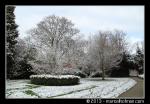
x: 136, y: 91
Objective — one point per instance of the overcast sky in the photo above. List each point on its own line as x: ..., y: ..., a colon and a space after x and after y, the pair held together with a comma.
x: 88, y: 19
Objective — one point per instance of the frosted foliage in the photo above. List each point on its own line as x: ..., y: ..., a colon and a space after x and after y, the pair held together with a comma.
x: 105, y: 49
x: 56, y: 40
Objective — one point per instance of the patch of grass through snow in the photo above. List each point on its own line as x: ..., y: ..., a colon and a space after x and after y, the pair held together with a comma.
x: 9, y: 93
x: 32, y: 86
x: 27, y: 86
x: 73, y: 91
x: 30, y: 92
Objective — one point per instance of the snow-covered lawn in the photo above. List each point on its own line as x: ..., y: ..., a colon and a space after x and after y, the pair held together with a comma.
x: 88, y: 88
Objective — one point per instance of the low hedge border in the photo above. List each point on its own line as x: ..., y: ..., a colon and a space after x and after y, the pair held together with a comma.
x: 54, y: 80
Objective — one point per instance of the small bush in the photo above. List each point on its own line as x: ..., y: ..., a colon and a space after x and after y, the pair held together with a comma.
x: 54, y: 80
x: 124, y: 72
x: 80, y: 74
x: 71, y: 71
x: 141, y: 76
x: 96, y: 74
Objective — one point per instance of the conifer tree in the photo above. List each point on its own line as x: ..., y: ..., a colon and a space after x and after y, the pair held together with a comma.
x: 11, y: 35
x: 139, y: 60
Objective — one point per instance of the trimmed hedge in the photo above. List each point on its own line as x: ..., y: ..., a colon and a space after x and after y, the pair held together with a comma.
x: 54, y: 80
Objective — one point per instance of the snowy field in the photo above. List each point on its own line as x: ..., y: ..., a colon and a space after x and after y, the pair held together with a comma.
x: 88, y: 88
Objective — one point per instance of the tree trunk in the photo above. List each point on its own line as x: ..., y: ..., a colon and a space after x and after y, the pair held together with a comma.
x: 102, y: 66
x: 103, y: 74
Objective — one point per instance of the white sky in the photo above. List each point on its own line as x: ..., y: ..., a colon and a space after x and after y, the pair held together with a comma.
x: 88, y: 19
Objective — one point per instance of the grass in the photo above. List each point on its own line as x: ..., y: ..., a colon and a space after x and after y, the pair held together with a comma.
x: 73, y: 92
x: 9, y: 93
x: 33, y: 86
x: 27, y: 86
x: 30, y: 92
x: 99, y: 79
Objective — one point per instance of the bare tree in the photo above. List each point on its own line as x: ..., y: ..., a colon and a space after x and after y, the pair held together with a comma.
x: 75, y: 51
x: 139, y: 44
x: 50, y: 34
x: 106, y: 49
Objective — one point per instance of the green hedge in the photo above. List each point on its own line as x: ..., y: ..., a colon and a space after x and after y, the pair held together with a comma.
x: 54, y: 80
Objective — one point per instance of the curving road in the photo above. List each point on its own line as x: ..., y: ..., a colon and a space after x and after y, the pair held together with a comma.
x: 135, y: 92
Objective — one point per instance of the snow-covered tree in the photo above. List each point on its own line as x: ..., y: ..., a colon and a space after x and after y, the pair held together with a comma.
x: 139, y: 58
x: 105, y: 50
x: 78, y: 54
x: 50, y: 36
x: 11, y: 35
x: 124, y: 67
x: 25, y: 50
x: 25, y: 53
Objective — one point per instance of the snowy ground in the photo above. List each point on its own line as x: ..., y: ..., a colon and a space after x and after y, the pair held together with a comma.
x: 88, y: 88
